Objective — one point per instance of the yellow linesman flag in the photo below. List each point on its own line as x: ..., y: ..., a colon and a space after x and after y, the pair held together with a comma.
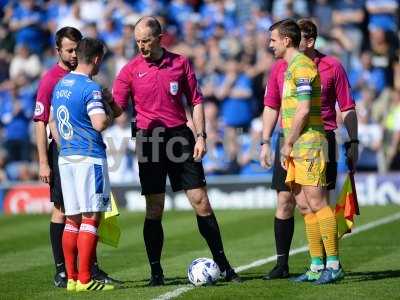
x: 109, y: 231
x: 346, y: 206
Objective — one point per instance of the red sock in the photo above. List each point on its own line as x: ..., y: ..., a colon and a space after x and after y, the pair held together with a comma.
x: 87, y: 242
x: 70, y: 249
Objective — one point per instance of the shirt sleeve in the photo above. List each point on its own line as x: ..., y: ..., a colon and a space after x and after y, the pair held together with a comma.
x: 191, y: 87
x: 121, y: 90
x: 304, y: 77
x: 272, y: 97
x: 43, y: 102
x: 343, y: 89
x: 94, y: 101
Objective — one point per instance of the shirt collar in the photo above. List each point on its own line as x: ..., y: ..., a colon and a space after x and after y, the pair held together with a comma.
x: 318, y: 57
x: 164, y: 60
x: 79, y: 73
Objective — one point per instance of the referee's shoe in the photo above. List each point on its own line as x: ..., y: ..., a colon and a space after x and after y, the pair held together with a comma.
x: 278, y: 272
x: 60, y: 279
x: 230, y: 275
x: 100, y: 276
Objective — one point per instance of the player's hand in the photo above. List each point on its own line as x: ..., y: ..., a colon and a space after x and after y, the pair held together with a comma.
x: 200, y: 149
x: 266, y: 156
x: 285, y: 153
x: 44, y: 172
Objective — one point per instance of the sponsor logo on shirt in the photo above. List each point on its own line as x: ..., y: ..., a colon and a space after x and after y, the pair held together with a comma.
x: 141, y: 74
x: 173, y: 87
x: 96, y: 95
x: 39, y: 109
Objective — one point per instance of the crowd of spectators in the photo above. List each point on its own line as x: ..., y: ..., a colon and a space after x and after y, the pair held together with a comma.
x: 226, y: 41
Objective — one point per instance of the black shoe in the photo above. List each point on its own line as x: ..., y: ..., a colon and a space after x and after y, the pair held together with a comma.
x: 277, y: 272
x: 60, y: 280
x: 156, y: 280
x: 231, y: 276
x: 100, y: 276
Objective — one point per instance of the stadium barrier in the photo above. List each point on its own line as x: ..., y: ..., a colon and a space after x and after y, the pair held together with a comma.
x: 225, y: 192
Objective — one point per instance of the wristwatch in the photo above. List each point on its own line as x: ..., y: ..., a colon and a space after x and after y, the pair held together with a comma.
x: 202, y: 134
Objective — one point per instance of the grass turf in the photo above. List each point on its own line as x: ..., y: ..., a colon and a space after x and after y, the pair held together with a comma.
x: 371, y: 259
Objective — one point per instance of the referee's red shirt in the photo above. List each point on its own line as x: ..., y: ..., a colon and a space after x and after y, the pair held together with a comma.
x: 157, y: 89
x: 45, y: 92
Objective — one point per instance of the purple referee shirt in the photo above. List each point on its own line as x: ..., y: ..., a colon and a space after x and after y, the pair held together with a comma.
x: 45, y: 92
x: 157, y: 89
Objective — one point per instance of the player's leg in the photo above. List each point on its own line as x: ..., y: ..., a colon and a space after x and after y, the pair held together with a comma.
x: 313, y: 237
x: 318, y: 201
x: 71, y: 229
x: 92, y: 188
x: 70, y: 248
x: 57, y: 221
x: 153, y: 174
x: 284, y: 219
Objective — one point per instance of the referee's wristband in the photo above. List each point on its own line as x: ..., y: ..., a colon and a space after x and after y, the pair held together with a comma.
x: 265, y: 141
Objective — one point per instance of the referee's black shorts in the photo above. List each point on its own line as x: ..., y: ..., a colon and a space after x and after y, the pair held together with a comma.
x: 279, y: 174
x: 55, y: 181
x: 168, y: 151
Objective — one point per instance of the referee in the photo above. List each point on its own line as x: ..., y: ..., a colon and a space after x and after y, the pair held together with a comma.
x: 156, y: 81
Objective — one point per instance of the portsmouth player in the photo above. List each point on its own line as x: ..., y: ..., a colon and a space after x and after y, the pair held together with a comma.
x: 67, y: 39
x: 304, y: 153
x: 79, y: 114
x: 335, y: 89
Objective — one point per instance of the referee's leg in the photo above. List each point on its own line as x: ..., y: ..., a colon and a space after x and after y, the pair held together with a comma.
x: 153, y: 236
x: 209, y: 229
x: 57, y: 221
x: 283, y: 221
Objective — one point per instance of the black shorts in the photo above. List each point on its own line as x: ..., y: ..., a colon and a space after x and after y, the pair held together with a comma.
x: 55, y: 181
x: 168, y: 151
x: 279, y: 174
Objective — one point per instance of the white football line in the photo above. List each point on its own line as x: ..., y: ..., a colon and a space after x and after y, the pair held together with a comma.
x: 179, y: 291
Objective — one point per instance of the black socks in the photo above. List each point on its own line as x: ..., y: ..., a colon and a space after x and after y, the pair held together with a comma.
x: 283, y: 238
x: 208, y: 227
x: 153, y: 235
x: 56, y: 233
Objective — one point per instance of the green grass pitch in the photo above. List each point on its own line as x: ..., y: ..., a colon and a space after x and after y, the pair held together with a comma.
x: 371, y: 259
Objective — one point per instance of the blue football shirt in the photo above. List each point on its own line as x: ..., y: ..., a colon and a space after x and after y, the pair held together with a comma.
x: 75, y: 98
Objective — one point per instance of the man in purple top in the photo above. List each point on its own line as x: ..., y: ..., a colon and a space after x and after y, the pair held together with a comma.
x: 335, y: 88
x: 155, y: 81
x: 67, y: 39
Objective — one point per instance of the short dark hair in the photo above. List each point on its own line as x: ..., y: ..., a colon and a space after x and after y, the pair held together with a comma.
x: 152, y: 23
x: 88, y: 49
x: 288, y: 28
x: 308, y: 28
x: 68, y: 32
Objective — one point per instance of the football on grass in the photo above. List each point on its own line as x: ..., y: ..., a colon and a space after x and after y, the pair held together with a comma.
x: 203, y: 271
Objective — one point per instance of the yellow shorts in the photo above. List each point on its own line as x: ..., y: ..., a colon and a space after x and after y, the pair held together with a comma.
x: 307, y: 169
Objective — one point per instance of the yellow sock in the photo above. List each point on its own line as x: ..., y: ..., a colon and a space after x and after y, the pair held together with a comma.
x: 313, y: 236
x: 328, y: 229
